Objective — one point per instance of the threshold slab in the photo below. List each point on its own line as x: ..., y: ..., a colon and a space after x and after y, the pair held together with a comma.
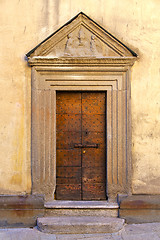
x: 56, y: 204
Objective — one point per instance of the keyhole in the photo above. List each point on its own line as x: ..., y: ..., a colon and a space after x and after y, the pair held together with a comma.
x: 86, y: 133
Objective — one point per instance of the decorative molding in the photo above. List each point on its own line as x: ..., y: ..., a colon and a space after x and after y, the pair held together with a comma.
x: 50, y: 61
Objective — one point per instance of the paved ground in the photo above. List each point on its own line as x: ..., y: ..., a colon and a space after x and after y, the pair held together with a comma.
x: 148, y: 231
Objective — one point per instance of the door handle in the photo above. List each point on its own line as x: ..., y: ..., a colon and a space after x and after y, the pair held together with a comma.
x: 94, y: 145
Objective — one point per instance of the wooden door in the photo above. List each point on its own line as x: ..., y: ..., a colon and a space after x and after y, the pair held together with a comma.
x: 81, y: 146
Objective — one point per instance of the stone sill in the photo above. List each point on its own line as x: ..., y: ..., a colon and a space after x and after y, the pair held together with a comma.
x: 57, y: 204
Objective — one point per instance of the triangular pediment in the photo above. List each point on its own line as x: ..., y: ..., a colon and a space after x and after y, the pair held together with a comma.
x: 81, y: 37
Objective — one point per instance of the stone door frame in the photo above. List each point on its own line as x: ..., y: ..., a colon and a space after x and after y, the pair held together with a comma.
x: 78, y: 74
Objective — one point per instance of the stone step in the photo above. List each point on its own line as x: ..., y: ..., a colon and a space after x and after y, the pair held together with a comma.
x: 79, y: 224
x: 81, y: 208
x: 81, y: 204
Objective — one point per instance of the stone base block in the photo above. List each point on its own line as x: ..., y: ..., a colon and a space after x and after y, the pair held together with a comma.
x: 140, y: 215
x: 19, y: 217
x: 140, y: 208
x: 20, y: 211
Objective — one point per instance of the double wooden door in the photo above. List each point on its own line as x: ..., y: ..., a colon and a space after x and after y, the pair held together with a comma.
x: 81, y: 146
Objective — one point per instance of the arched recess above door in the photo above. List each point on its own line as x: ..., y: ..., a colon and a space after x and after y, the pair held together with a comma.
x: 81, y: 56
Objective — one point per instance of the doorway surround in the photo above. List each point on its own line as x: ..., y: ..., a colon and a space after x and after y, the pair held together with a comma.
x: 81, y: 56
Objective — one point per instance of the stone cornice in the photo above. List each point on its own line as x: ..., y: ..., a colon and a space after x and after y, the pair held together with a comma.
x: 110, y: 61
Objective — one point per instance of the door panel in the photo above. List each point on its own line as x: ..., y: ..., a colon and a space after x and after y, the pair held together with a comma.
x: 93, y: 175
x: 94, y: 157
x: 93, y: 191
x: 69, y: 106
x: 68, y: 122
x: 69, y: 172
x: 68, y: 192
x: 93, y: 160
x: 68, y: 157
x: 93, y: 105
x: 96, y: 137
x: 93, y: 122
x: 67, y: 140
x: 81, y: 164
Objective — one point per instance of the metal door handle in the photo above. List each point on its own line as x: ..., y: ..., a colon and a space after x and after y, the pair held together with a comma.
x: 86, y: 145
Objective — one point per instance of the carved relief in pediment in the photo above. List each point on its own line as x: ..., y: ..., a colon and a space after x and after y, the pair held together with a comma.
x: 81, y: 43
x: 83, y: 38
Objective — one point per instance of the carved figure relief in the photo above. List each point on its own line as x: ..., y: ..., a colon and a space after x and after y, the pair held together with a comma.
x: 81, y: 43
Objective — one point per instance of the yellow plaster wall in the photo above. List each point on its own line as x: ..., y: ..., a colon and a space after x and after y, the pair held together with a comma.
x: 25, y: 23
